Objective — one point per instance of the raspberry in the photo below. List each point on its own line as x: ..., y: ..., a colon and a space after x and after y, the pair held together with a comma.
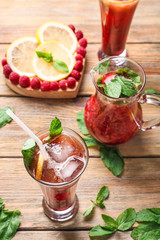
x: 63, y: 84
x: 7, y: 70
x: 4, y: 62
x: 81, y: 50
x: 35, y: 83
x: 79, y: 57
x: 14, y: 77
x: 72, y: 27
x: 71, y: 82
x: 45, y: 86
x: 79, y: 34
x: 75, y: 74
x: 54, y: 86
x: 78, y: 66
x: 24, y: 81
x: 83, y: 42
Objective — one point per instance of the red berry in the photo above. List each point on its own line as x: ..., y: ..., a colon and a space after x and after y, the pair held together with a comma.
x: 71, y: 82
x: 83, y: 42
x: 108, y: 77
x: 79, y: 34
x: 4, y: 62
x: 7, y: 70
x: 75, y: 74
x: 54, y: 86
x: 24, y: 81
x: 81, y: 50
x: 45, y: 86
x: 78, y: 66
x: 35, y: 83
x: 79, y: 57
x: 72, y: 27
x: 14, y: 77
x: 63, y: 84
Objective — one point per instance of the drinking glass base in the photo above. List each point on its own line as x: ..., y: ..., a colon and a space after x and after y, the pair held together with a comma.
x: 102, y: 55
x: 63, y: 215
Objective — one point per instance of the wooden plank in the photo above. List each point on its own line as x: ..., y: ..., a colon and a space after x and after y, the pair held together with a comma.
x: 138, y: 187
x: 65, y: 235
x: 85, y: 16
x: 148, y: 57
x: 38, y: 113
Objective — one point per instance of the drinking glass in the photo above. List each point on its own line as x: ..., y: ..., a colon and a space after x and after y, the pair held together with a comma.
x: 116, y: 120
x: 116, y: 18
x: 60, y: 202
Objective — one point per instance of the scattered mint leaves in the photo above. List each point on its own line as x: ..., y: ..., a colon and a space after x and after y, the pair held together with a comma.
x: 126, y: 219
x: 128, y: 73
x: 149, y: 215
x: 91, y: 142
x: 110, y: 222
x: 9, y: 223
x: 151, y: 91
x: 81, y: 123
x: 4, y: 117
x: 102, y: 67
x: 112, y: 159
x: 146, y: 231
x: 99, y: 231
x: 46, y: 56
x: 101, y: 196
x: 55, y: 128
x: 60, y: 66
x: 1, y: 204
x: 28, y: 151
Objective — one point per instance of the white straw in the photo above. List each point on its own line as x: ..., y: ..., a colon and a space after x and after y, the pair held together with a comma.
x: 29, y: 132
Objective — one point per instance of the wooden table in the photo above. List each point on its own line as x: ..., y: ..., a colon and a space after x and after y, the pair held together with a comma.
x: 139, y: 186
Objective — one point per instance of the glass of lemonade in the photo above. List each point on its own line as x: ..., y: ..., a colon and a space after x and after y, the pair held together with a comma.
x: 60, y: 173
x: 116, y: 18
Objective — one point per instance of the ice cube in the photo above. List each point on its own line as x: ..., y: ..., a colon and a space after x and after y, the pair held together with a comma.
x: 71, y: 168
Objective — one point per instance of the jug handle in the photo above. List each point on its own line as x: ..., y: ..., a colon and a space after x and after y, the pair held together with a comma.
x: 150, y: 99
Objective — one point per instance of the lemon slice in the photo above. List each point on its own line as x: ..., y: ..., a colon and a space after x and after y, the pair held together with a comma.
x: 39, y: 167
x: 45, y: 71
x: 20, y: 54
x: 54, y: 31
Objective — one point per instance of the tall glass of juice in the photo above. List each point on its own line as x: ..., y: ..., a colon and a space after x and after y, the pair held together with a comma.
x: 116, y: 17
x: 68, y: 158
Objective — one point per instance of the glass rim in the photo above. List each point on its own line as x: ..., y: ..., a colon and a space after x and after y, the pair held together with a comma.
x: 128, y: 59
x: 63, y: 183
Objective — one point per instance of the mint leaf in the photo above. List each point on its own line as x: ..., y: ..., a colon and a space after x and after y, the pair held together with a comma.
x: 81, y: 123
x: 99, y: 80
x: 112, y: 159
x: 4, y: 117
x: 1, y: 204
x: 46, y: 56
x: 91, y: 142
x: 88, y: 211
x: 146, y: 231
x: 55, y: 128
x: 28, y: 151
x: 151, y: 91
x: 127, y: 86
x: 99, y: 231
x: 60, y: 66
x: 128, y: 73
x: 149, y: 215
x: 126, y: 219
x: 110, y: 222
x: 9, y: 223
x: 101, y: 196
x: 102, y: 67
x: 114, y: 89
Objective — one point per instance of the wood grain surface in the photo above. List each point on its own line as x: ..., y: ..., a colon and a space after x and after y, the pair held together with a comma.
x: 139, y: 185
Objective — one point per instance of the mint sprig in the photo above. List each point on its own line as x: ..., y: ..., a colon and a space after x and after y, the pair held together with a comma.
x: 4, y: 117
x: 102, y: 67
x: 151, y: 91
x: 55, y: 128
x: 46, y: 56
x: 101, y: 196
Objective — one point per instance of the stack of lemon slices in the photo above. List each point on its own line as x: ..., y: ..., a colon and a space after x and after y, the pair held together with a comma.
x: 61, y: 42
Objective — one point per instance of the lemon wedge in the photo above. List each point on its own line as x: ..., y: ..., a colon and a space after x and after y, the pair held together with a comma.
x: 54, y: 31
x: 20, y: 54
x: 44, y: 70
x: 39, y: 166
